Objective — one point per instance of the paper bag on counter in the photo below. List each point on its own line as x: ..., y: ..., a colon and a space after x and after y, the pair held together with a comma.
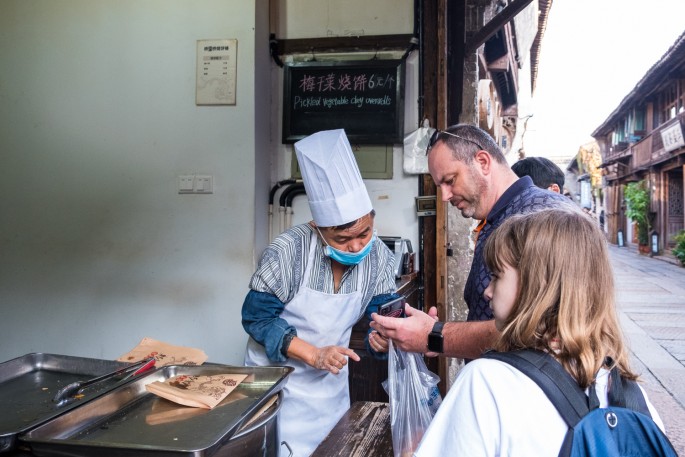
x: 164, y: 412
x: 164, y: 354
x: 197, y: 391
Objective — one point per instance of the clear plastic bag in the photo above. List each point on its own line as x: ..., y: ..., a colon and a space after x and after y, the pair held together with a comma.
x: 414, y: 399
x: 415, y: 144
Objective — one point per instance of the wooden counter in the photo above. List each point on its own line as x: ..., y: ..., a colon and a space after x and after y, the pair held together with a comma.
x: 364, y: 431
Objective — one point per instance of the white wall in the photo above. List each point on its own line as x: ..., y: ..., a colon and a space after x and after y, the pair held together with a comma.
x: 393, y: 199
x: 324, y: 18
x: 97, y: 119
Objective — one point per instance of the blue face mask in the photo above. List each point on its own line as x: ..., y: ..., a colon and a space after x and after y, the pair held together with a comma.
x: 348, y: 258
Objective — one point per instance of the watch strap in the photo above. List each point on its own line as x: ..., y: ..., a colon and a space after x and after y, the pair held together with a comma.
x: 435, y: 339
x: 437, y: 327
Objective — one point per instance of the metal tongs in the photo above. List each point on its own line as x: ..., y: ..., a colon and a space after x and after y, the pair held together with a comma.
x: 73, y: 389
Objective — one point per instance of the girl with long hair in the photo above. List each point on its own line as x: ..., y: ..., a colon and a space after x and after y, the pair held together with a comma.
x: 552, y: 289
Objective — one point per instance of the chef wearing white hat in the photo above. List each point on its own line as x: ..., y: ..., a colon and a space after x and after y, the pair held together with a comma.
x: 313, y: 283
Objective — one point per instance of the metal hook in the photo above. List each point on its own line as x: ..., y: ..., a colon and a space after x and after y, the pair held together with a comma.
x: 288, y: 446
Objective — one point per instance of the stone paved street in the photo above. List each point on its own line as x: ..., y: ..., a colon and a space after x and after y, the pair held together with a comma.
x: 651, y: 304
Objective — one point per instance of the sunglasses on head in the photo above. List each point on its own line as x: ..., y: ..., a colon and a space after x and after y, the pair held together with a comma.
x: 436, y: 136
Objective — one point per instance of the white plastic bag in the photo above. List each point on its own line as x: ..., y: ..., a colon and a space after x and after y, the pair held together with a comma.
x: 415, y: 144
x: 414, y: 399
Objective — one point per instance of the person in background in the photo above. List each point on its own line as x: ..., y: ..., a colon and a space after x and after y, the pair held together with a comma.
x: 544, y: 173
x: 473, y: 175
x: 537, y: 261
x: 312, y: 284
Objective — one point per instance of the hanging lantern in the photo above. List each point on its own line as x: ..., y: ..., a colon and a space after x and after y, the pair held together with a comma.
x: 655, y: 242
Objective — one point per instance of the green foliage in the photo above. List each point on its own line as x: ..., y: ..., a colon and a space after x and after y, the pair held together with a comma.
x: 636, y: 195
x: 679, y: 249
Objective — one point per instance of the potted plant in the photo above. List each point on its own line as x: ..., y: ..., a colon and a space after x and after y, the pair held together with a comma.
x: 636, y: 195
x: 679, y: 250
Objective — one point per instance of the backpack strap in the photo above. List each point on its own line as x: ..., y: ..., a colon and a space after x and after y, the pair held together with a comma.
x: 563, y: 390
x: 555, y: 382
x: 625, y: 393
x: 559, y: 386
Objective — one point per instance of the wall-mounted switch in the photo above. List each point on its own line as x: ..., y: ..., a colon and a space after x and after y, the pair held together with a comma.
x: 195, y: 184
x: 203, y: 184
x: 185, y: 184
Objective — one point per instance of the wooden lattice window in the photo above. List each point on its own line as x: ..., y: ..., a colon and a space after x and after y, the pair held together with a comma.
x: 669, y: 102
x: 675, y: 198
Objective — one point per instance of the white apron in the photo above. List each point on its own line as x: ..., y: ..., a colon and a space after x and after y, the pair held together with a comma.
x: 313, y: 400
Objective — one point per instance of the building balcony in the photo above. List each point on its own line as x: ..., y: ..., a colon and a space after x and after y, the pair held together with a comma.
x: 647, y: 151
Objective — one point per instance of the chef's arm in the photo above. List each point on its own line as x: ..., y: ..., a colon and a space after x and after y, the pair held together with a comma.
x: 261, y: 320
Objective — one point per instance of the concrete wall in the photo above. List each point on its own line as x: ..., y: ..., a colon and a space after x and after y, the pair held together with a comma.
x: 323, y: 18
x: 97, y: 120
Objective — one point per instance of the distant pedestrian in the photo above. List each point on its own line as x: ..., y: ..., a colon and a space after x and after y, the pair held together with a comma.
x: 544, y: 173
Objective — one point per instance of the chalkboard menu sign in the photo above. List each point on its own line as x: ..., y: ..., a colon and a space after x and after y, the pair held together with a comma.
x: 366, y: 98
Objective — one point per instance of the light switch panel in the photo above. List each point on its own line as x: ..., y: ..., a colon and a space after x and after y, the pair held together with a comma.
x: 195, y: 184
x: 185, y: 184
x: 203, y: 184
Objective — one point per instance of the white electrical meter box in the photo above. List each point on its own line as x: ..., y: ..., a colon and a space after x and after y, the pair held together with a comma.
x: 216, y: 72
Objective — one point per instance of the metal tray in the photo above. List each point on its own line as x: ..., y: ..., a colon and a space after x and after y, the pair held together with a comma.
x: 131, y: 421
x: 28, y: 384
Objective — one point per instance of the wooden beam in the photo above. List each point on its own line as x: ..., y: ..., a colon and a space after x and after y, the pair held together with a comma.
x: 429, y: 104
x: 496, y: 23
x: 444, y: 100
x: 343, y: 44
x: 456, y: 31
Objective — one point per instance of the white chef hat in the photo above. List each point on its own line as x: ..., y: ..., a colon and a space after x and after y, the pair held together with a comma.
x: 334, y: 185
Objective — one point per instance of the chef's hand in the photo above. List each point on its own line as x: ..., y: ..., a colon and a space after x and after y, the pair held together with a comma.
x: 378, y: 342
x: 333, y: 358
x: 409, y: 333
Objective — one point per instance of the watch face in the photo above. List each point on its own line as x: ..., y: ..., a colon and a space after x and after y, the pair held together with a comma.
x: 435, y: 342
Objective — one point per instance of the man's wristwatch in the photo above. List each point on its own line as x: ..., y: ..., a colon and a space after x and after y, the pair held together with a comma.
x: 435, y: 338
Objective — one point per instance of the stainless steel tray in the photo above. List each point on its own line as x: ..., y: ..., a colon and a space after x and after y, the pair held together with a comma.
x: 28, y: 384
x: 131, y: 421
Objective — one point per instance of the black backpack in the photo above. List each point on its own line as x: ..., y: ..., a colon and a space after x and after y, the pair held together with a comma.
x: 624, y: 428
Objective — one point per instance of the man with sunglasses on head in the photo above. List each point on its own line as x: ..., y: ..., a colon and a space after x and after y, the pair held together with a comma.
x: 473, y: 175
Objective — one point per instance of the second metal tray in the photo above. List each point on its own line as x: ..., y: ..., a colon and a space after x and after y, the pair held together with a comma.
x: 131, y: 421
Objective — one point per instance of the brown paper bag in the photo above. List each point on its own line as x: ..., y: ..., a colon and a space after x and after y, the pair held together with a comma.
x: 164, y: 412
x: 196, y: 391
x: 164, y: 354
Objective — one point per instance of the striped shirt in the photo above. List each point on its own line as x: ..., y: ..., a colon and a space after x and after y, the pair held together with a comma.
x: 284, y: 261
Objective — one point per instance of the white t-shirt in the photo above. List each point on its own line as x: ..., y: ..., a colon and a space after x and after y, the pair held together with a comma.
x: 493, y: 409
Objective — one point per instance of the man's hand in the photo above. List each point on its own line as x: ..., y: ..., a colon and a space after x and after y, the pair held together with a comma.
x: 333, y: 358
x: 410, y: 333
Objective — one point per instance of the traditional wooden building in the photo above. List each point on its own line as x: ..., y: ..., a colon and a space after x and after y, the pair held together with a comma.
x: 643, y: 140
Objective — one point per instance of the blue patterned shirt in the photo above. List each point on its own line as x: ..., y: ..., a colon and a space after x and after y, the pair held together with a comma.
x: 522, y: 197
